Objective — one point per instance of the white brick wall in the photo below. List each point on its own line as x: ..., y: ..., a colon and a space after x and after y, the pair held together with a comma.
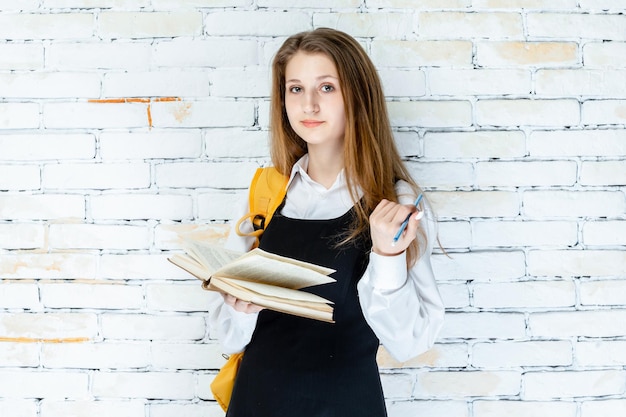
x: 127, y: 124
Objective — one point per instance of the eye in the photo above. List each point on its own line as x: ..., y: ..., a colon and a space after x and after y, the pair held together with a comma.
x: 327, y: 88
x: 295, y: 89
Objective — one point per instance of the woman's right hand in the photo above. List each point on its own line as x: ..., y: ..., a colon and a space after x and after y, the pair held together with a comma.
x: 240, y: 305
x: 385, y: 221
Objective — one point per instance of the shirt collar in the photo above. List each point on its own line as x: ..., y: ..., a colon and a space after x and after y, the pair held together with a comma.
x: 300, y: 168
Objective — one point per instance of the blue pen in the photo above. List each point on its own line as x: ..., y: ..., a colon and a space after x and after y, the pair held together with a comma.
x: 405, y: 222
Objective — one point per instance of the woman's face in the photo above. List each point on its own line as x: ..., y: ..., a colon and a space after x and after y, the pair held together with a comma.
x: 313, y: 100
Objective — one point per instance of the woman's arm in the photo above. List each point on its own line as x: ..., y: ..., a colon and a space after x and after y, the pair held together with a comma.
x: 403, y: 307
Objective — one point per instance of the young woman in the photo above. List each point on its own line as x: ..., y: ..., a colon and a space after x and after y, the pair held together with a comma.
x: 347, y: 196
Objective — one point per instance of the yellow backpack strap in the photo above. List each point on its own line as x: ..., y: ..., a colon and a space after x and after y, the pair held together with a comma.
x: 267, y: 190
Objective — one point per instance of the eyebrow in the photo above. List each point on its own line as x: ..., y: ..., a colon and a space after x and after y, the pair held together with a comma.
x: 321, y: 77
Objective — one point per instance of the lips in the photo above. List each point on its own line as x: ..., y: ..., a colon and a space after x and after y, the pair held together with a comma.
x: 311, y: 123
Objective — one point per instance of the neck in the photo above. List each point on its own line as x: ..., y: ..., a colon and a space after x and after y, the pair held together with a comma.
x: 324, y: 166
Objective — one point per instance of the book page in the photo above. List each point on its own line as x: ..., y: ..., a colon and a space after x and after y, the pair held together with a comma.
x: 279, y: 292
x: 299, y: 310
x: 270, y: 270
x: 321, y: 269
x: 190, y: 265
x: 213, y: 257
x: 257, y: 266
x: 317, y: 311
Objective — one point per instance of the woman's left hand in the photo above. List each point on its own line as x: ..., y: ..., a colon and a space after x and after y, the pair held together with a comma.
x: 385, y: 221
x: 240, y: 305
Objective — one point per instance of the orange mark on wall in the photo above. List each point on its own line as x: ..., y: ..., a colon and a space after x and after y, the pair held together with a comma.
x: 213, y: 233
x: 12, y: 268
x: 37, y: 340
x: 182, y: 112
x: 385, y: 360
x: 145, y: 100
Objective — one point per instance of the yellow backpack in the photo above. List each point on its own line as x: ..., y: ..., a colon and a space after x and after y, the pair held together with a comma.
x: 267, y: 190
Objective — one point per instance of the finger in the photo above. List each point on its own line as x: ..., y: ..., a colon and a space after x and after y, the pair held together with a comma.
x: 235, y: 302
x: 241, y: 305
x: 410, y: 232
x: 247, y: 307
x: 229, y: 299
x: 253, y: 308
x: 382, y: 209
x: 388, y: 214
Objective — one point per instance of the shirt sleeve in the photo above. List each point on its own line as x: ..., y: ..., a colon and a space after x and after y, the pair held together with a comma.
x: 403, y: 307
x: 234, y: 329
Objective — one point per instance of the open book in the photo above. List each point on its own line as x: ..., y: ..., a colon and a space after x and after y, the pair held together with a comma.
x: 259, y: 277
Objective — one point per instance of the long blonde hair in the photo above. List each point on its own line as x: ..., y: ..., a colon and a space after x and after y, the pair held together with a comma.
x: 372, y: 162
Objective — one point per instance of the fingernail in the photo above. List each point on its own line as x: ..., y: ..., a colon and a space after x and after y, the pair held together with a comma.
x: 419, y: 215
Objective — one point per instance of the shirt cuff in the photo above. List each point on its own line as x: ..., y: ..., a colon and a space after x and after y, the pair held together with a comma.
x: 387, y: 272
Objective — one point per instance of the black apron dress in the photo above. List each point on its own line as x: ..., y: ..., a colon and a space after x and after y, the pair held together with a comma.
x: 298, y: 367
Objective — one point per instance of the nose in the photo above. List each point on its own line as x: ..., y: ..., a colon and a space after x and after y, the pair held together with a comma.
x: 310, y: 104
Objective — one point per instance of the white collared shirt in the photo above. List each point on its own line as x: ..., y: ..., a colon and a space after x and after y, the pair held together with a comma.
x: 403, y: 307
